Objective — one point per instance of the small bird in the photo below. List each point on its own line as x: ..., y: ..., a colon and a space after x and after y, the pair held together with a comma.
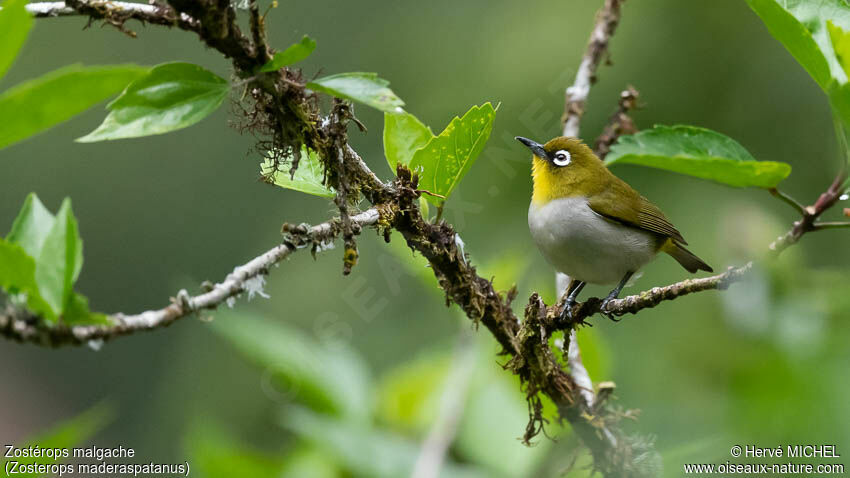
x: 593, y: 226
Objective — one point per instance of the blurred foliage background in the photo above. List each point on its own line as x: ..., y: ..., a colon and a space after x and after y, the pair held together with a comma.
x: 348, y: 378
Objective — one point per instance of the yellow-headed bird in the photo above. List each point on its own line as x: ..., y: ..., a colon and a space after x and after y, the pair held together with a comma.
x: 593, y: 226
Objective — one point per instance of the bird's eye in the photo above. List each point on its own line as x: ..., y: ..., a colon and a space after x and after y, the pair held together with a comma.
x: 562, y: 158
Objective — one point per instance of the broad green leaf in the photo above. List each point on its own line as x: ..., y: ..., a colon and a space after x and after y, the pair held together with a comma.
x: 68, y: 434
x: 308, y: 177
x: 214, y: 454
x: 363, y: 450
x: 800, y: 26
x: 443, y: 162
x: 403, y: 135
x: 171, y: 96
x: 330, y: 378
x: 295, y: 53
x: 697, y: 152
x: 31, y: 226
x: 36, y: 105
x: 364, y: 88
x: 814, y: 32
x: 839, y: 94
x: 17, y: 276
x: 42, y: 239
x: 60, y: 259
x: 15, y: 25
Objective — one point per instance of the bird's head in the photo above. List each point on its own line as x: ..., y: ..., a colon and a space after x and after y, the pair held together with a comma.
x: 563, y: 167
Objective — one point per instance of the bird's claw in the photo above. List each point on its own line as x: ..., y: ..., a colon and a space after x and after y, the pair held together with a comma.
x: 602, y: 310
x: 567, y: 312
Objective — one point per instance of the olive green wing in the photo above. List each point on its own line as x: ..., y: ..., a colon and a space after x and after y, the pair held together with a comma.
x: 620, y: 203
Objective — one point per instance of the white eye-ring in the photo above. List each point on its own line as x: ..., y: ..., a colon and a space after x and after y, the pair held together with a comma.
x: 561, y: 158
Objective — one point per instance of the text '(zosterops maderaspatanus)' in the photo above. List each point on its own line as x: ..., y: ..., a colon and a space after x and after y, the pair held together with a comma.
x: 593, y: 226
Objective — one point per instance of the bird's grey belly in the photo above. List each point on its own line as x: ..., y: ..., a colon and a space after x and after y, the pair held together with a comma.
x: 585, y: 245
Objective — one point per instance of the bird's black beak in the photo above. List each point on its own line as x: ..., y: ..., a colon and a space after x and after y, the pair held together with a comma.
x: 534, y: 146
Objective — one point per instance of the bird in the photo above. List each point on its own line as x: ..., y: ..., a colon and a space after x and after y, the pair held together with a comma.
x: 591, y: 225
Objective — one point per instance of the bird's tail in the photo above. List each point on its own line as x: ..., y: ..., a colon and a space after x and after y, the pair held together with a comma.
x: 685, y: 257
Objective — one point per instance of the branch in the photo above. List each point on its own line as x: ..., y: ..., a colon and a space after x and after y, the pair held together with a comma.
x: 576, y: 95
x: 810, y: 214
x: 619, y: 124
x: 16, y: 325
x: 115, y: 13
x: 830, y: 225
x: 258, y: 30
x: 650, y: 298
x: 788, y: 200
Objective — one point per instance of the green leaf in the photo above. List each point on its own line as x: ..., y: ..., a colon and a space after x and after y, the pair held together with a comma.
x: 332, y: 379
x: 68, y: 434
x: 814, y: 32
x: 364, y: 88
x: 363, y: 450
x: 295, y: 53
x: 697, y: 152
x: 15, y: 25
x: 171, y: 96
x: 17, y: 276
x: 443, y: 162
x: 60, y: 260
x: 31, y: 226
x: 403, y: 135
x: 51, y: 247
x: 215, y: 454
x: 36, y: 105
x: 308, y: 177
x: 800, y: 26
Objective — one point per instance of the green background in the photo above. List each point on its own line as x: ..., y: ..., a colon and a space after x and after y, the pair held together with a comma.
x: 765, y: 363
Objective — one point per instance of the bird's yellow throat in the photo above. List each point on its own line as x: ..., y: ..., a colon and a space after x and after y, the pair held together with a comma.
x: 551, y: 183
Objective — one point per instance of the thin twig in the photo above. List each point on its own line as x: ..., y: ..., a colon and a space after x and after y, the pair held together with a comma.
x: 788, y: 200
x: 115, y: 12
x: 576, y: 95
x: 24, y: 329
x: 830, y: 225
x: 258, y: 31
x: 619, y: 124
x: 648, y: 298
x: 810, y: 214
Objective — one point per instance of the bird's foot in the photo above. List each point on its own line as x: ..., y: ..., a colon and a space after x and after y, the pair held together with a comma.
x: 603, y: 309
x: 566, y: 315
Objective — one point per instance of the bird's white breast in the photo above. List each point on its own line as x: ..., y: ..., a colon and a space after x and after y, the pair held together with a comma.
x: 585, y: 245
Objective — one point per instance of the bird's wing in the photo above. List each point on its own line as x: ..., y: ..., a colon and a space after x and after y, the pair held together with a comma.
x: 623, y: 204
